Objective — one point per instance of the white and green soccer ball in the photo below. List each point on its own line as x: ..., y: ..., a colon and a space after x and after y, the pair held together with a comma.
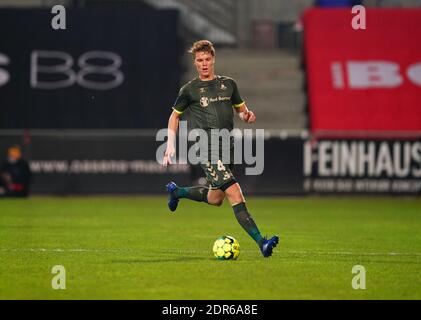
x: 226, y: 248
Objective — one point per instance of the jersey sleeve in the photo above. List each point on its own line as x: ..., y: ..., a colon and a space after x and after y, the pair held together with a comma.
x: 182, y: 102
x: 236, y: 99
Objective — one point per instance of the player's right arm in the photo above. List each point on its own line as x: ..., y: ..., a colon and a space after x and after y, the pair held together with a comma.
x: 172, y: 132
x: 180, y: 105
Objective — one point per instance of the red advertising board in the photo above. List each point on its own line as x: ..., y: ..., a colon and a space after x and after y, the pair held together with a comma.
x: 364, y: 80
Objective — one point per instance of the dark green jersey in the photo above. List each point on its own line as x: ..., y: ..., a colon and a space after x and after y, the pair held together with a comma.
x: 211, y: 102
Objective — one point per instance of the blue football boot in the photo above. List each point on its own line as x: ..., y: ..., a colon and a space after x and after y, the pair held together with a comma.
x: 268, y: 246
x: 172, y: 200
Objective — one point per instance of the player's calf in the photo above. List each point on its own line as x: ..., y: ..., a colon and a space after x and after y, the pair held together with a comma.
x: 199, y: 194
x: 247, y: 222
x: 244, y: 218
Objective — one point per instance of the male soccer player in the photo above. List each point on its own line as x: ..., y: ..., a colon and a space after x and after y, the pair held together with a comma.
x: 211, y: 99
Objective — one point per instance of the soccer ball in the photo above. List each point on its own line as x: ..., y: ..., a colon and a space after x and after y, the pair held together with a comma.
x: 226, y: 248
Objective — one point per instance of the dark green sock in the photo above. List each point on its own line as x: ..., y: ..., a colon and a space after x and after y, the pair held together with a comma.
x: 193, y: 193
x: 246, y: 221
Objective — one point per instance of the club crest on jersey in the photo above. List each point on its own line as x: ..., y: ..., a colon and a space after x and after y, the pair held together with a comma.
x: 223, y: 87
x: 204, y: 102
x: 202, y: 90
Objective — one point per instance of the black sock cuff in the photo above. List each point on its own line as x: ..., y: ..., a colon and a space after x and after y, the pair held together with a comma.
x: 239, y: 207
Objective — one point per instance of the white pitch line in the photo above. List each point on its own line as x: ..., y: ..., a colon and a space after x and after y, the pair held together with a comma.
x: 280, y: 251
x: 64, y: 250
x: 348, y: 253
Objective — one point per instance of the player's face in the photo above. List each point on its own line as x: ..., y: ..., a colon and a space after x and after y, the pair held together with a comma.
x: 204, y: 62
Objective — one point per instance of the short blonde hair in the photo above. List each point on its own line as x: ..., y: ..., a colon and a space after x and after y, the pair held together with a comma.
x: 202, y: 46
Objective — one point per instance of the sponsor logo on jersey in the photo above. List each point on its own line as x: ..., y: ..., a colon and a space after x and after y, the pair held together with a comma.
x: 204, y: 102
x: 219, y: 99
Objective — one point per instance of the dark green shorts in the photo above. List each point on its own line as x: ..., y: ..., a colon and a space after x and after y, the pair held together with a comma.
x: 219, y: 175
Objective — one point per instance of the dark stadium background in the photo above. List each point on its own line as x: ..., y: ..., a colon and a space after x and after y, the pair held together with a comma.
x: 96, y: 133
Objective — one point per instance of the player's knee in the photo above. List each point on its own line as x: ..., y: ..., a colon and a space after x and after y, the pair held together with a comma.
x: 219, y: 202
x: 235, y: 195
x: 235, y: 200
x: 216, y: 201
x: 216, y: 197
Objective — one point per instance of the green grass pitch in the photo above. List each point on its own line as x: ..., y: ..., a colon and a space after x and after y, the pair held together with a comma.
x: 134, y: 248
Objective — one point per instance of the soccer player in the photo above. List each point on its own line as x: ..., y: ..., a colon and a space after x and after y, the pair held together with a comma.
x: 212, y: 100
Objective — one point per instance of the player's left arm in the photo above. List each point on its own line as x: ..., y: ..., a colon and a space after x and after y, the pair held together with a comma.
x: 245, y: 113
x: 240, y: 106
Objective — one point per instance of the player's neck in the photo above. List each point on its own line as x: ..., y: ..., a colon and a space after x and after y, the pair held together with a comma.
x: 208, y: 78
